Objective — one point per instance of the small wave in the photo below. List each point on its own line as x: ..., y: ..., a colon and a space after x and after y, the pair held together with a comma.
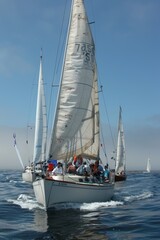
x: 141, y: 196
x: 26, y: 201
x: 13, y: 181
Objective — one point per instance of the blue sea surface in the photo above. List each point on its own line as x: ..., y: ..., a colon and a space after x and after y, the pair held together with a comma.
x: 133, y: 213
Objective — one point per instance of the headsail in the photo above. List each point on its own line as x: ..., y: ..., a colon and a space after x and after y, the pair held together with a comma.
x: 75, y: 126
x: 41, y: 121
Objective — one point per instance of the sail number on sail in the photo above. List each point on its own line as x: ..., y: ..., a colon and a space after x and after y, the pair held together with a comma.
x: 87, y: 51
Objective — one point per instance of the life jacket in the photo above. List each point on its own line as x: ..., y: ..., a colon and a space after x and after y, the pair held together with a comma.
x: 50, y: 166
x: 75, y: 159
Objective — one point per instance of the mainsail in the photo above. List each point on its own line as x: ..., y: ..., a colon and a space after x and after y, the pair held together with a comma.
x: 120, y: 154
x: 41, y: 121
x: 76, y: 123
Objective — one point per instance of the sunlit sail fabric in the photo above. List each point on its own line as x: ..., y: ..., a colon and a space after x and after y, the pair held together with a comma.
x: 75, y: 126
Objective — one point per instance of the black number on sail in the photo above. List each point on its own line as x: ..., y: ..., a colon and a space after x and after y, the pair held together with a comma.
x: 85, y: 52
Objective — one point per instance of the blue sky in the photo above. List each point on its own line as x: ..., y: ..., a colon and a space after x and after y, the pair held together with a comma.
x: 127, y: 37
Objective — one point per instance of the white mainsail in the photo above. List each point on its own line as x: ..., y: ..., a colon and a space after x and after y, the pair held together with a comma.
x: 39, y: 153
x: 75, y: 126
x: 120, y: 153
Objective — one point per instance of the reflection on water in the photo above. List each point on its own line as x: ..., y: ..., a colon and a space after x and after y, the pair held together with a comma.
x: 40, y: 221
x: 73, y: 224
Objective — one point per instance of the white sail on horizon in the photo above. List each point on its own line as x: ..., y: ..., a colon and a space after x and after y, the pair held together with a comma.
x: 148, y: 169
x: 120, y: 153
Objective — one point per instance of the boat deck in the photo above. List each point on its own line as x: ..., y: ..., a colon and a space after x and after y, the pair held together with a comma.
x: 79, y: 179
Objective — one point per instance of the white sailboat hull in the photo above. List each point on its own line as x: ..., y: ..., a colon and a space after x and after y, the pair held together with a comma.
x: 51, y: 191
x: 28, y: 176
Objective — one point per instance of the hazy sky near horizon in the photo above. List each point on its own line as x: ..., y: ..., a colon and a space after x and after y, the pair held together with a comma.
x: 127, y: 38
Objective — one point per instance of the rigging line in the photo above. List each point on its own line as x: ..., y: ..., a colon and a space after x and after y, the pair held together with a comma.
x: 103, y: 145
x: 93, y: 22
x: 112, y: 137
x: 101, y: 90
x: 61, y: 54
x: 30, y: 108
x: 57, y: 61
x: 105, y: 106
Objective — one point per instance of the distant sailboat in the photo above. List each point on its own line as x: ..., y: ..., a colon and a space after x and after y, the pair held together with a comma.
x: 148, y: 169
x: 35, y: 168
x: 120, y: 168
x: 17, y: 151
x: 40, y: 133
x: 76, y: 129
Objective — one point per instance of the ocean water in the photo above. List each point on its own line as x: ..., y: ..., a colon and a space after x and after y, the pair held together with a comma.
x: 133, y: 213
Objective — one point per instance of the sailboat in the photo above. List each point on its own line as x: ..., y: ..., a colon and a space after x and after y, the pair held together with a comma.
x: 120, y: 168
x: 148, y: 169
x: 76, y: 129
x: 35, y: 168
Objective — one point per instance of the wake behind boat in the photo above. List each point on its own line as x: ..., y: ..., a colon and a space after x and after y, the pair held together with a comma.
x: 76, y: 129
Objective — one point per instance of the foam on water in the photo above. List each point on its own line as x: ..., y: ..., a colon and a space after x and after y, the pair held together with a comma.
x: 26, y: 201
x: 88, y: 206
x: 141, y: 196
x: 16, y: 181
x: 97, y: 205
